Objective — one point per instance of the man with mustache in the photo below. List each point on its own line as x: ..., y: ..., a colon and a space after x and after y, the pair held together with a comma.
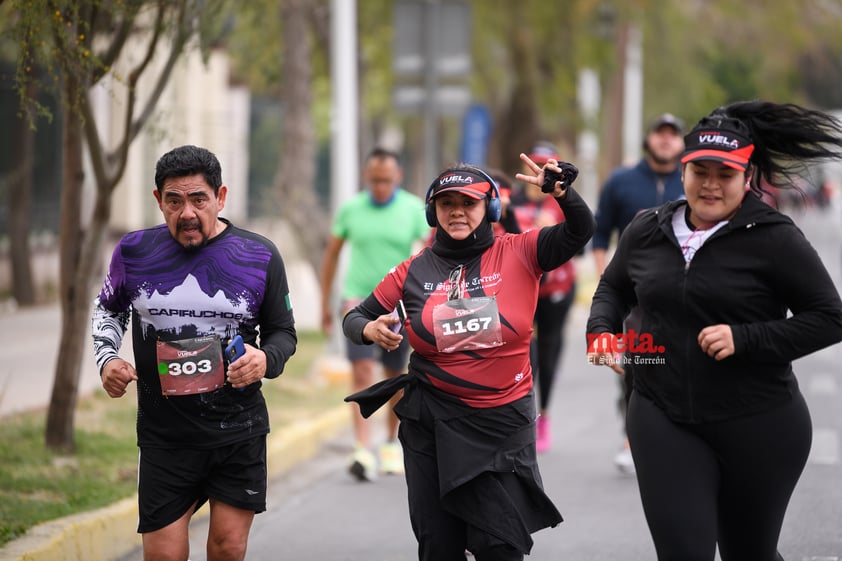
x: 190, y: 286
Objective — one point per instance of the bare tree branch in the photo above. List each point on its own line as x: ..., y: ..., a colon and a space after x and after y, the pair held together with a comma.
x: 119, y: 157
x: 183, y: 33
x: 115, y: 47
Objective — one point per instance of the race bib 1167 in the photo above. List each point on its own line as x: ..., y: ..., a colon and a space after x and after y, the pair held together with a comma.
x: 467, y: 324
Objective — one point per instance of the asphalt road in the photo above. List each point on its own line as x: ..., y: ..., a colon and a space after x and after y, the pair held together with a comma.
x: 318, y: 512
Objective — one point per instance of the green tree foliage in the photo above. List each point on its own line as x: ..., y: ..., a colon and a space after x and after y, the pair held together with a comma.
x: 706, y: 53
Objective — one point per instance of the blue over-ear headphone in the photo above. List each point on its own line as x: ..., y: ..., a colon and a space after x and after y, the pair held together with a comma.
x: 493, y: 206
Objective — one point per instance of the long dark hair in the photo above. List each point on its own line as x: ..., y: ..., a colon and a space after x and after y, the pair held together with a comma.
x: 787, y: 138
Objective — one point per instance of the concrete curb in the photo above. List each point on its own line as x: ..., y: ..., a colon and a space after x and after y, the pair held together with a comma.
x: 300, y: 441
x: 109, y: 533
x: 103, y: 534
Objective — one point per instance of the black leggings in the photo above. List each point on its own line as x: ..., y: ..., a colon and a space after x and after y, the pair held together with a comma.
x: 545, y: 350
x: 625, y: 383
x: 725, y: 483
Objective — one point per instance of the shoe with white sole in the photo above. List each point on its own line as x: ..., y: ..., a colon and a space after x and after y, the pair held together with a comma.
x: 623, y: 460
x: 363, y: 464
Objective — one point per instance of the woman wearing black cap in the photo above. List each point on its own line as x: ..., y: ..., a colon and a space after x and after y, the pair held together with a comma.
x: 468, y: 409
x: 718, y: 428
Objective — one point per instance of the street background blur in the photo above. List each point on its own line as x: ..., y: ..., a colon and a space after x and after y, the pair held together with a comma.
x: 291, y: 93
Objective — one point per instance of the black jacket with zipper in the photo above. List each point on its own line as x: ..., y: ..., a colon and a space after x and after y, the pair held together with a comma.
x: 758, y: 274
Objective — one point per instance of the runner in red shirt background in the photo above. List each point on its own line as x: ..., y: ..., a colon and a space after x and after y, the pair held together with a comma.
x: 556, y: 292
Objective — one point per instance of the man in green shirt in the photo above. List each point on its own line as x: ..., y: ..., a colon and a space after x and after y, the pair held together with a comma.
x: 381, y: 225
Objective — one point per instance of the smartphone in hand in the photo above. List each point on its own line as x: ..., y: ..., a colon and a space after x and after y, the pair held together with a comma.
x: 236, y: 349
x: 400, y: 313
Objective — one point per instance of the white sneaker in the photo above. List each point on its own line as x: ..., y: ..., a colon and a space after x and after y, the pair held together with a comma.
x: 623, y: 460
x: 363, y: 464
x: 391, y: 458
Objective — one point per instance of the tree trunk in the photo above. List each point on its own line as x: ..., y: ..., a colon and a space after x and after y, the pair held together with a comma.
x: 518, y: 127
x: 294, y: 180
x: 60, y: 415
x: 20, y: 209
x: 613, y: 122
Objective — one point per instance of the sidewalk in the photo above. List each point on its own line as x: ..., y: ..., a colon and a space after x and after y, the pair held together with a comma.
x: 29, y: 346
x: 29, y: 349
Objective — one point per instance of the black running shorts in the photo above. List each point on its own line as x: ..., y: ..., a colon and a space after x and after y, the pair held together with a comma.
x: 171, y: 480
x: 393, y: 360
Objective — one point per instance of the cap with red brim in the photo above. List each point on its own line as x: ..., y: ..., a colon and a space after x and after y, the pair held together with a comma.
x: 720, y: 144
x: 465, y: 182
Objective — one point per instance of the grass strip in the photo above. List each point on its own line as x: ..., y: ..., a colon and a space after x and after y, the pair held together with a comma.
x: 37, y: 485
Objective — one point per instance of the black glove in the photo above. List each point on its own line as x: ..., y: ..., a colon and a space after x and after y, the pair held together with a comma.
x: 568, y: 175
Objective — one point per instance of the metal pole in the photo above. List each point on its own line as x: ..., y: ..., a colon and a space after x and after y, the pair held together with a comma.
x: 344, y: 176
x: 589, y: 97
x: 633, y: 95
x: 344, y: 149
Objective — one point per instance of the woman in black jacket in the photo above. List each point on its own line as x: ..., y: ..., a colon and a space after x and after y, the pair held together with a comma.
x: 731, y: 293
